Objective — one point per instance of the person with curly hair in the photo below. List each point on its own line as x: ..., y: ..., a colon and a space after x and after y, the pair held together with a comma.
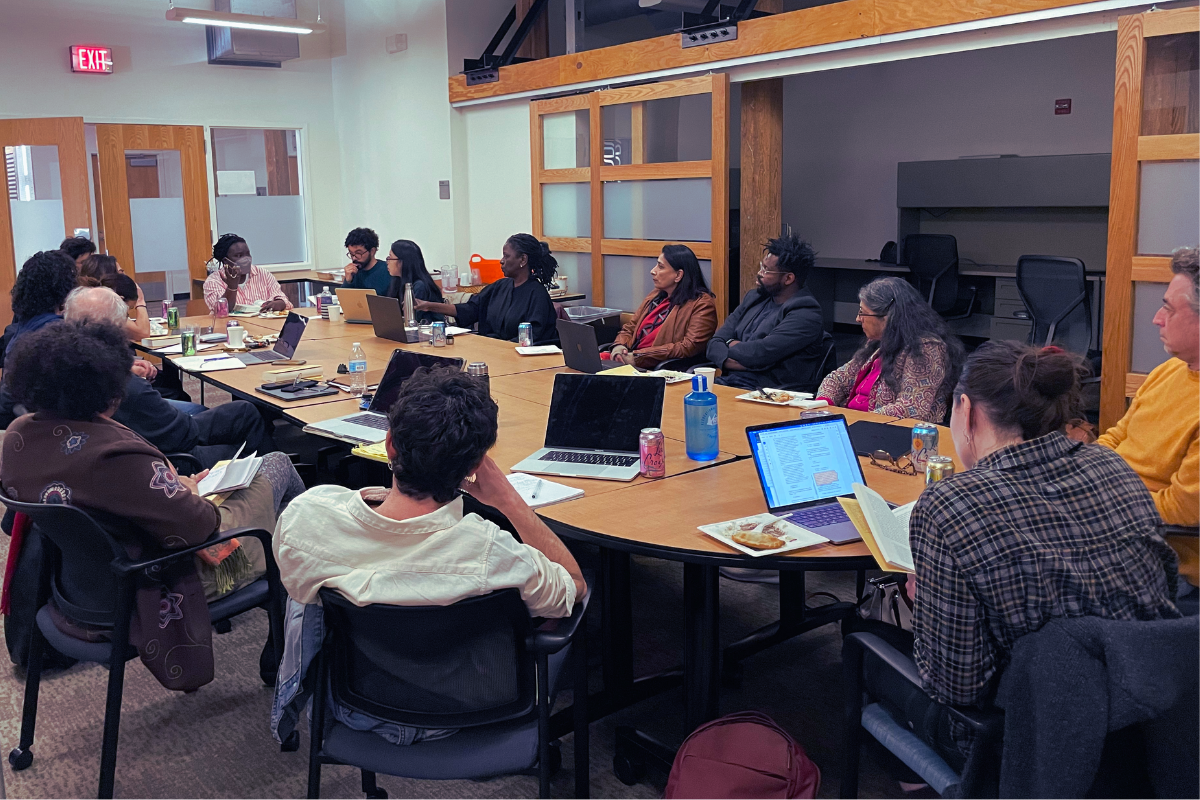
x: 70, y: 450
x: 78, y: 248
x: 776, y: 338
x: 520, y: 296
x: 239, y: 280
x: 364, y: 270
x: 42, y: 285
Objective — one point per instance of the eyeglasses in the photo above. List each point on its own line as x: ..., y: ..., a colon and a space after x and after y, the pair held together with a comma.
x: 902, y: 465
x: 359, y: 254
x: 886, y: 309
x: 762, y: 270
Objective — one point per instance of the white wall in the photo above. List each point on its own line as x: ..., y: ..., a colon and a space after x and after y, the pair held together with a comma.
x: 497, y: 138
x: 845, y: 130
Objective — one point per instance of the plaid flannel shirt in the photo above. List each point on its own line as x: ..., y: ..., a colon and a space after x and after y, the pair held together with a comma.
x: 1042, y: 529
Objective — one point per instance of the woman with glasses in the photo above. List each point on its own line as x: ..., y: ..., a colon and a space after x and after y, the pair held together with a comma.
x: 406, y: 266
x: 908, y: 363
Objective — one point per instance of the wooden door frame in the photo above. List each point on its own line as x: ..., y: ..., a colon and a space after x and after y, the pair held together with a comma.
x: 66, y: 133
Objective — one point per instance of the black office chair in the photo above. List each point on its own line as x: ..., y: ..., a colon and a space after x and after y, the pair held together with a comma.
x: 932, y: 258
x: 93, y: 581
x: 980, y: 776
x: 1055, y: 292
x: 478, y: 665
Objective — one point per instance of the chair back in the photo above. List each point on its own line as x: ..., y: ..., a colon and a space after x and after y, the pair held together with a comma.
x: 932, y: 258
x: 1055, y: 292
x: 454, y: 666
x: 82, y: 582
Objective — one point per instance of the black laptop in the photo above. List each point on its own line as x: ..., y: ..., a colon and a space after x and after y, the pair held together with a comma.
x: 580, y: 352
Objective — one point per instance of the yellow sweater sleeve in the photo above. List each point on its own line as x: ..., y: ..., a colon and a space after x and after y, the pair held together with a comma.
x: 1179, y: 502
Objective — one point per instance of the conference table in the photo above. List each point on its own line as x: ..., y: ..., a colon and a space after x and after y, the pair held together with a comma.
x: 647, y: 517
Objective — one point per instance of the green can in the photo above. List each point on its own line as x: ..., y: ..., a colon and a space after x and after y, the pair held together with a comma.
x: 172, y: 317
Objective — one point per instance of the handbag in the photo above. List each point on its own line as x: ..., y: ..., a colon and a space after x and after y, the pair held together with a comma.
x: 887, y: 601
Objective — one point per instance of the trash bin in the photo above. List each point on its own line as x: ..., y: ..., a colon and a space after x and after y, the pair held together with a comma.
x: 592, y: 314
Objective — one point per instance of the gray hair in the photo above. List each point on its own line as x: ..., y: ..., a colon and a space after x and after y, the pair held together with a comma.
x: 96, y: 304
x: 1184, y: 262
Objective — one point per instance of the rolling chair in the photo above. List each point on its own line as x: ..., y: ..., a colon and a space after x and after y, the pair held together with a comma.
x: 494, y: 679
x: 932, y: 258
x: 92, y: 580
x: 1055, y: 292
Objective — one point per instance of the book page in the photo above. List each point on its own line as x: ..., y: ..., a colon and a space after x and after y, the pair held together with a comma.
x: 547, y: 492
x: 890, y: 529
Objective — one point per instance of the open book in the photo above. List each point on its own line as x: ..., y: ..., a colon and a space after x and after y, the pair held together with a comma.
x: 229, y: 476
x: 884, y: 529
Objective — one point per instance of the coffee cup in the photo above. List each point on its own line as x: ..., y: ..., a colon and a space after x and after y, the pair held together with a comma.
x: 237, y: 337
x: 335, y: 313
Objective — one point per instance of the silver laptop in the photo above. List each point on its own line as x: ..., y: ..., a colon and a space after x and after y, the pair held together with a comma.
x: 285, y: 346
x: 594, y: 425
x: 371, y: 426
x: 354, y: 304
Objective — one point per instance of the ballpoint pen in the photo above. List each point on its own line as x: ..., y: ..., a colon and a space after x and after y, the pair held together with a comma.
x: 536, y: 488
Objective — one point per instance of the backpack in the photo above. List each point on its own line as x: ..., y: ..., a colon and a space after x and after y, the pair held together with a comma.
x: 742, y: 755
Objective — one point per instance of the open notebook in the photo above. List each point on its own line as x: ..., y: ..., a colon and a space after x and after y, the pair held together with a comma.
x: 884, y: 529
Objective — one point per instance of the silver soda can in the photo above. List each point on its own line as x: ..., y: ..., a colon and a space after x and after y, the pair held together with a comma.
x: 525, y: 334
x: 938, y: 468
x: 924, y: 444
x: 652, y: 447
x: 438, y: 334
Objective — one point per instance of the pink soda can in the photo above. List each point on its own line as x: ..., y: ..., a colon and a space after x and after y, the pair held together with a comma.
x: 652, y: 447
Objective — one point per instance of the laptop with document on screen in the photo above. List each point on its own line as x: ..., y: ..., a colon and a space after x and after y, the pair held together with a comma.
x: 285, y: 345
x: 803, y: 467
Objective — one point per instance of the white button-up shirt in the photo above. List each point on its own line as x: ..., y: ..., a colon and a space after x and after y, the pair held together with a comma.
x: 330, y: 536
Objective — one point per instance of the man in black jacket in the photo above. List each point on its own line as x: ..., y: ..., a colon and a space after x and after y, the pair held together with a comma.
x: 776, y: 337
x: 211, y: 436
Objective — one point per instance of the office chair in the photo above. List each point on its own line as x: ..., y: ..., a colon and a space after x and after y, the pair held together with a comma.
x: 980, y: 776
x: 93, y: 581
x: 1055, y: 292
x: 478, y: 665
x: 932, y: 258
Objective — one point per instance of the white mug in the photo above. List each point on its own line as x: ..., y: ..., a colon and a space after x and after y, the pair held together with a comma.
x: 237, y: 337
x: 710, y: 376
x: 335, y: 313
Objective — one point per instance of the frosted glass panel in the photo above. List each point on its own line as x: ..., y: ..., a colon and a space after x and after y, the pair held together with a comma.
x: 1170, y: 207
x: 672, y: 129
x: 577, y: 269
x: 566, y: 140
x: 159, y: 234
x: 669, y: 210
x: 1148, y: 350
x: 34, y: 199
x: 259, y: 192
x: 1170, y: 85
x: 567, y: 210
x: 272, y: 226
x: 627, y: 280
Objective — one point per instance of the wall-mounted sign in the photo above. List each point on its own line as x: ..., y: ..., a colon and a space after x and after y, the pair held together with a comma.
x: 91, y: 58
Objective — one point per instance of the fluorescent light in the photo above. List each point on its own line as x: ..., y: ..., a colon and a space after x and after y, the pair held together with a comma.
x: 252, y: 22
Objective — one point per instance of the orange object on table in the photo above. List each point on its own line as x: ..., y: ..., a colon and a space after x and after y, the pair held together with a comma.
x: 489, y: 268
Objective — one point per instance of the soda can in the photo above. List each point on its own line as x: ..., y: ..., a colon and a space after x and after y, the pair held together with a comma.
x: 437, y: 334
x: 187, y: 341
x: 172, y: 317
x: 937, y: 468
x: 652, y: 447
x: 924, y: 444
x: 525, y: 334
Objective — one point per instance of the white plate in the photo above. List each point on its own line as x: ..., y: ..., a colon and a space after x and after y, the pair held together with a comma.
x: 795, y: 399
x: 794, y: 536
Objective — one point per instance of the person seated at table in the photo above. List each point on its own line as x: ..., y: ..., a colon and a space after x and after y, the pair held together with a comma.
x: 406, y: 267
x: 676, y: 320
x: 364, y: 271
x: 239, y: 280
x: 78, y: 248
x: 776, y: 337
x: 1158, y: 436
x: 520, y: 296
x: 908, y: 363
x: 71, y: 450
x: 1038, y: 526
x: 211, y: 435
x: 102, y: 270
x: 412, y: 543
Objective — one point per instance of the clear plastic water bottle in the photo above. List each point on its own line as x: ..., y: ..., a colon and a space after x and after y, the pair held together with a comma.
x: 324, y: 301
x: 358, y: 371
x: 700, y: 421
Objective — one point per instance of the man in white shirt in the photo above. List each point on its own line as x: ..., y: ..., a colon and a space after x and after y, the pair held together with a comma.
x: 411, y: 544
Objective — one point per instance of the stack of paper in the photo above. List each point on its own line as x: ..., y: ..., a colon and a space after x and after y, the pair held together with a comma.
x: 208, y: 363
x: 540, y: 350
x: 627, y: 369
x: 539, y: 492
x: 229, y: 476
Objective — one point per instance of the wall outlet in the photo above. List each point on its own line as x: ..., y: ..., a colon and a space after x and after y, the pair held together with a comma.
x: 443, y: 190
x: 1062, y: 106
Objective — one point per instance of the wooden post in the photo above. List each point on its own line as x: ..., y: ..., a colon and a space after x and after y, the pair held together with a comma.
x: 537, y: 43
x: 762, y: 172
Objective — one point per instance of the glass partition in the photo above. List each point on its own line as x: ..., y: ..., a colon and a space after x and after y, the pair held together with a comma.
x: 1148, y: 350
x: 258, y: 192
x: 567, y: 210
x: 658, y: 131
x: 677, y: 209
x: 1171, y: 85
x: 577, y: 269
x: 1169, y: 213
x: 34, y: 199
x: 155, y: 181
x: 566, y: 140
x: 627, y: 280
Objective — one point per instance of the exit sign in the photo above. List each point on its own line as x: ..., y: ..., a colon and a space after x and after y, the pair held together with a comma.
x: 91, y: 58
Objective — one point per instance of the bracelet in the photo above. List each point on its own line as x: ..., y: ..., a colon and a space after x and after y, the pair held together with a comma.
x: 141, y: 306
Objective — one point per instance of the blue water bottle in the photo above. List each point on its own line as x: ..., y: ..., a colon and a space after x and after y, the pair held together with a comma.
x: 700, y: 421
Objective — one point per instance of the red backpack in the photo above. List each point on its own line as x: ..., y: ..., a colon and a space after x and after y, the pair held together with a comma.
x: 742, y: 755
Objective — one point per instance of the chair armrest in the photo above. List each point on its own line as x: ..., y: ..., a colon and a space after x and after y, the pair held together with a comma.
x: 1179, y: 530
x: 890, y: 656
x: 555, y: 634
x: 124, y: 567
x: 177, y: 459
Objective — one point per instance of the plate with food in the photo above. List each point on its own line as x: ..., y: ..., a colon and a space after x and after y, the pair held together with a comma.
x: 780, y: 397
x: 762, y: 535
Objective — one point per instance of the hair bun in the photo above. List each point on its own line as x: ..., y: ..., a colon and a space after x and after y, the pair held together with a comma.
x: 1054, y: 373
x: 545, y: 248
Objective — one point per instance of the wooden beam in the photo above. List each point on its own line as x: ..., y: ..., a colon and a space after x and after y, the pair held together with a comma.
x: 114, y: 195
x: 537, y: 159
x: 637, y: 136
x: 649, y: 248
x: 553, y: 105
x: 761, y: 215
x: 656, y: 91
x: 1176, y: 147
x: 1133, y: 382
x: 558, y: 244
x: 1167, y: 22
x: 660, y: 171
x: 720, y: 192
x: 596, y: 158
x: 537, y: 43
x: 1152, y: 269
x: 573, y: 175
x: 898, y: 16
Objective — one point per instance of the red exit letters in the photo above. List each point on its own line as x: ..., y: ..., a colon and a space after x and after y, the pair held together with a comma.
x: 91, y: 58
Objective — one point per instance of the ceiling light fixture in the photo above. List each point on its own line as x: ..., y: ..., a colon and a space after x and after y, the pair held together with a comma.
x: 224, y: 19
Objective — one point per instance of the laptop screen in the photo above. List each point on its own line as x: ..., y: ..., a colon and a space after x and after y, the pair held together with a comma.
x: 289, y: 335
x: 804, y: 461
x: 399, y: 369
x: 603, y: 412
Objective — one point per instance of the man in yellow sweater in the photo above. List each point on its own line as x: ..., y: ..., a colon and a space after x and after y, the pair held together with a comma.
x: 1158, y: 435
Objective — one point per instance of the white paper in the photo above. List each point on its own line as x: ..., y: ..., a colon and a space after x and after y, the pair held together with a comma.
x: 890, y: 526
x: 548, y: 492
x: 229, y: 477
x: 540, y: 350
x: 452, y: 330
x: 793, y: 535
x: 207, y: 363
x: 177, y: 349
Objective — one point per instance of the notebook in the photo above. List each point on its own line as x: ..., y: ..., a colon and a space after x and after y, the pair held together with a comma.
x: 539, y: 492
x: 229, y: 476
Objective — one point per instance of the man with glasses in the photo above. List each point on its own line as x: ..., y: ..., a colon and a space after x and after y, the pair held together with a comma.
x: 364, y: 271
x: 776, y: 338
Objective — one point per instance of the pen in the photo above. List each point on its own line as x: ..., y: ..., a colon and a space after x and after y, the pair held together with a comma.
x: 536, y: 488
x: 215, y: 358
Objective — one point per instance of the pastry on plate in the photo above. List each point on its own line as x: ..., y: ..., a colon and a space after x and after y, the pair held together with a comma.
x: 758, y: 541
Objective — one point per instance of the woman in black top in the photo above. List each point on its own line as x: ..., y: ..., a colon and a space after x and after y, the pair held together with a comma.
x: 520, y: 296
x: 406, y: 265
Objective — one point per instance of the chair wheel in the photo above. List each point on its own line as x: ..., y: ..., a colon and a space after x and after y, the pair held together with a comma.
x: 20, y: 759
x: 627, y: 770
x: 291, y: 744
x: 223, y: 626
x: 381, y: 794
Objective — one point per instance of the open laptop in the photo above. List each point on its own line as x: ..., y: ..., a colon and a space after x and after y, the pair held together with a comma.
x: 594, y: 425
x: 387, y: 317
x: 370, y: 426
x: 285, y: 346
x: 580, y: 352
x: 354, y: 304
x: 803, y: 467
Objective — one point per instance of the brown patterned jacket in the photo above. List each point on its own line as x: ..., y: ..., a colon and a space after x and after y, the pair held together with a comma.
x: 920, y: 381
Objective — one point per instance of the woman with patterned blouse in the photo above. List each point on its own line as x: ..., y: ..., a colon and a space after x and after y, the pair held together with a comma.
x: 908, y: 363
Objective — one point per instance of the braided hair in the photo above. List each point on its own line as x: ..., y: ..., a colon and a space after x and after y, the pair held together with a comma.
x: 542, y: 265
x: 221, y: 248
